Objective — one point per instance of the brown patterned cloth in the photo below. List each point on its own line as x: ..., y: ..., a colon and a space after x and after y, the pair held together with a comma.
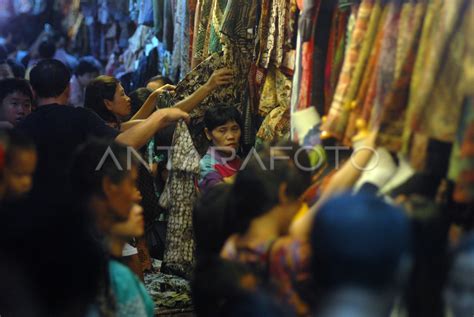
x: 441, y: 23
x: 178, y: 197
x: 394, y: 109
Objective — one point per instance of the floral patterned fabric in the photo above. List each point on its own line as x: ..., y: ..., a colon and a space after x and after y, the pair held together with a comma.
x: 275, y: 106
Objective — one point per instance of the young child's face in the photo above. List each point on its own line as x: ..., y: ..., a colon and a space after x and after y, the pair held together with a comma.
x: 19, y: 173
x: 15, y: 107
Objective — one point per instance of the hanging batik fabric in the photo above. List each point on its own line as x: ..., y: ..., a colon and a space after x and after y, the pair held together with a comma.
x: 301, y: 87
x: 275, y: 106
x: 238, y: 37
x: 180, y: 58
x: 357, y: 84
x: 337, y: 118
x: 440, y: 22
x: 201, y: 45
x: 178, y: 198
x: 335, y: 56
x: 464, y: 191
x: 440, y: 122
x: 386, y: 65
x: 394, y: 110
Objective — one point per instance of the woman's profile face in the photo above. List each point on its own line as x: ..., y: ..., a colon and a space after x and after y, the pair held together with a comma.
x: 133, y: 227
x: 120, y: 105
x: 123, y: 195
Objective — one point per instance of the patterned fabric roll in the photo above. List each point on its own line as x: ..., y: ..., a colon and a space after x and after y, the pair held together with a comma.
x: 386, y: 66
x: 394, y: 109
x: 338, y: 114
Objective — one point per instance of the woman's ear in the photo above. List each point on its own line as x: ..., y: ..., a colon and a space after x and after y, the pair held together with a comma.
x: 108, y: 104
x: 282, y: 196
x: 208, y: 134
x: 108, y: 187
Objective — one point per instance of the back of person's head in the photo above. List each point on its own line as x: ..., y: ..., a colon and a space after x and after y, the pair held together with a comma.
x: 12, y: 85
x: 138, y: 98
x: 100, y: 89
x: 50, y: 78
x: 157, y: 82
x: 220, y: 115
x: 211, y: 217
x: 259, y: 183
x: 31, y: 227
x: 17, y: 141
x: 87, y: 64
x: 18, y: 69
x: 216, y: 282
x: 96, y: 160
x: 358, y: 241
x: 47, y: 49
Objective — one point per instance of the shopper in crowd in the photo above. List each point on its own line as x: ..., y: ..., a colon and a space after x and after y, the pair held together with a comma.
x: 46, y: 50
x: 360, y: 256
x: 157, y: 82
x: 5, y: 70
x: 106, y: 97
x: 87, y: 69
x: 57, y: 129
x: 17, y: 68
x: 16, y: 98
x: 19, y: 167
x: 430, y: 227
x: 266, y: 196
x: 104, y: 185
x: 459, y: 291
x: 223, y: 129
x: 138, y: 98
x: 212, y: 221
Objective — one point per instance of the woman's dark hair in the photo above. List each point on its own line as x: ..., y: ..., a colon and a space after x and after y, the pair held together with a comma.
x: 358, y: 240
x: 220, y: 115
x: 11, y: 85
x: 256, y: 188
x: 211, y: 216
x: 100, y: 89
x: 138, y: 98
x: 88, y: 64
x: 96, y: 160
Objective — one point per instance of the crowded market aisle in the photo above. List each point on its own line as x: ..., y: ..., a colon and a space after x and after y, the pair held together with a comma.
x: 223, y: 157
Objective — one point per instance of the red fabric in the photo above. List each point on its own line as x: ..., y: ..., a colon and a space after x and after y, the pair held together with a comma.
x: 307, y: 64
